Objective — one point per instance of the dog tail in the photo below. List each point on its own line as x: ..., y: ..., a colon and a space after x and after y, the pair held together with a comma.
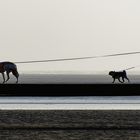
x: 124, y: 71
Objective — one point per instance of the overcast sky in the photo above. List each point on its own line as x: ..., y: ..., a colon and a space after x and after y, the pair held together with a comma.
x: 50, y: 29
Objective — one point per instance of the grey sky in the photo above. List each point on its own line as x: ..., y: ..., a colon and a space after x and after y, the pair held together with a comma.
x: 49, y: 29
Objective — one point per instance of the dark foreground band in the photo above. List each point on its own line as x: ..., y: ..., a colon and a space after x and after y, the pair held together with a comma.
x: 69, y: 89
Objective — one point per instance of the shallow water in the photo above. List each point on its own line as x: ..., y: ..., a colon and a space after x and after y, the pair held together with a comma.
x: 69, y: 79
x: 71, y: 103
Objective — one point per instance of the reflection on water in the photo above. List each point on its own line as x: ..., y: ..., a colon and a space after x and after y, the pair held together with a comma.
x: 64, y: 78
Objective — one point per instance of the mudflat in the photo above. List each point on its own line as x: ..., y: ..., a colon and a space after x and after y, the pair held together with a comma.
x: 70, y: 124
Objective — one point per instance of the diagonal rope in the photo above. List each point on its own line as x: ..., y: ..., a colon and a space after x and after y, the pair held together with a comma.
x: 130, y: 68
x: 77, y: 58
x: 133, y: 67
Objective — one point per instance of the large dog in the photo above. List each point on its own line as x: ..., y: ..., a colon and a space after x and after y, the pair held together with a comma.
x: 118, y: 75
x: 8, y: 67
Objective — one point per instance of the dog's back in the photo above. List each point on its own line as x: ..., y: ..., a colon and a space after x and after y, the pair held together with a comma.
x: 9, y: 66
x: 117, y: 74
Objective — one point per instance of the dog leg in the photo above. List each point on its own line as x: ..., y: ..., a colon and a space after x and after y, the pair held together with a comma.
x: 3, y: 77
x: 8, y: 77
x: 113, y: 80
x: 123, y: 79
x: 15, y: 73
x: 127, y: 79
x: 120, y: 80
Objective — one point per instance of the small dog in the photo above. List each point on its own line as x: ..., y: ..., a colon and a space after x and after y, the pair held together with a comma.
x: 118, y: 75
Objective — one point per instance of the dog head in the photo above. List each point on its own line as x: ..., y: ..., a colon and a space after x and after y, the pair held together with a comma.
x: 111, y: 73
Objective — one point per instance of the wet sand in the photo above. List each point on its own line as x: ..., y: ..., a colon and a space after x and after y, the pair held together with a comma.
x: 70, y: 125
x: 69, y: 134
